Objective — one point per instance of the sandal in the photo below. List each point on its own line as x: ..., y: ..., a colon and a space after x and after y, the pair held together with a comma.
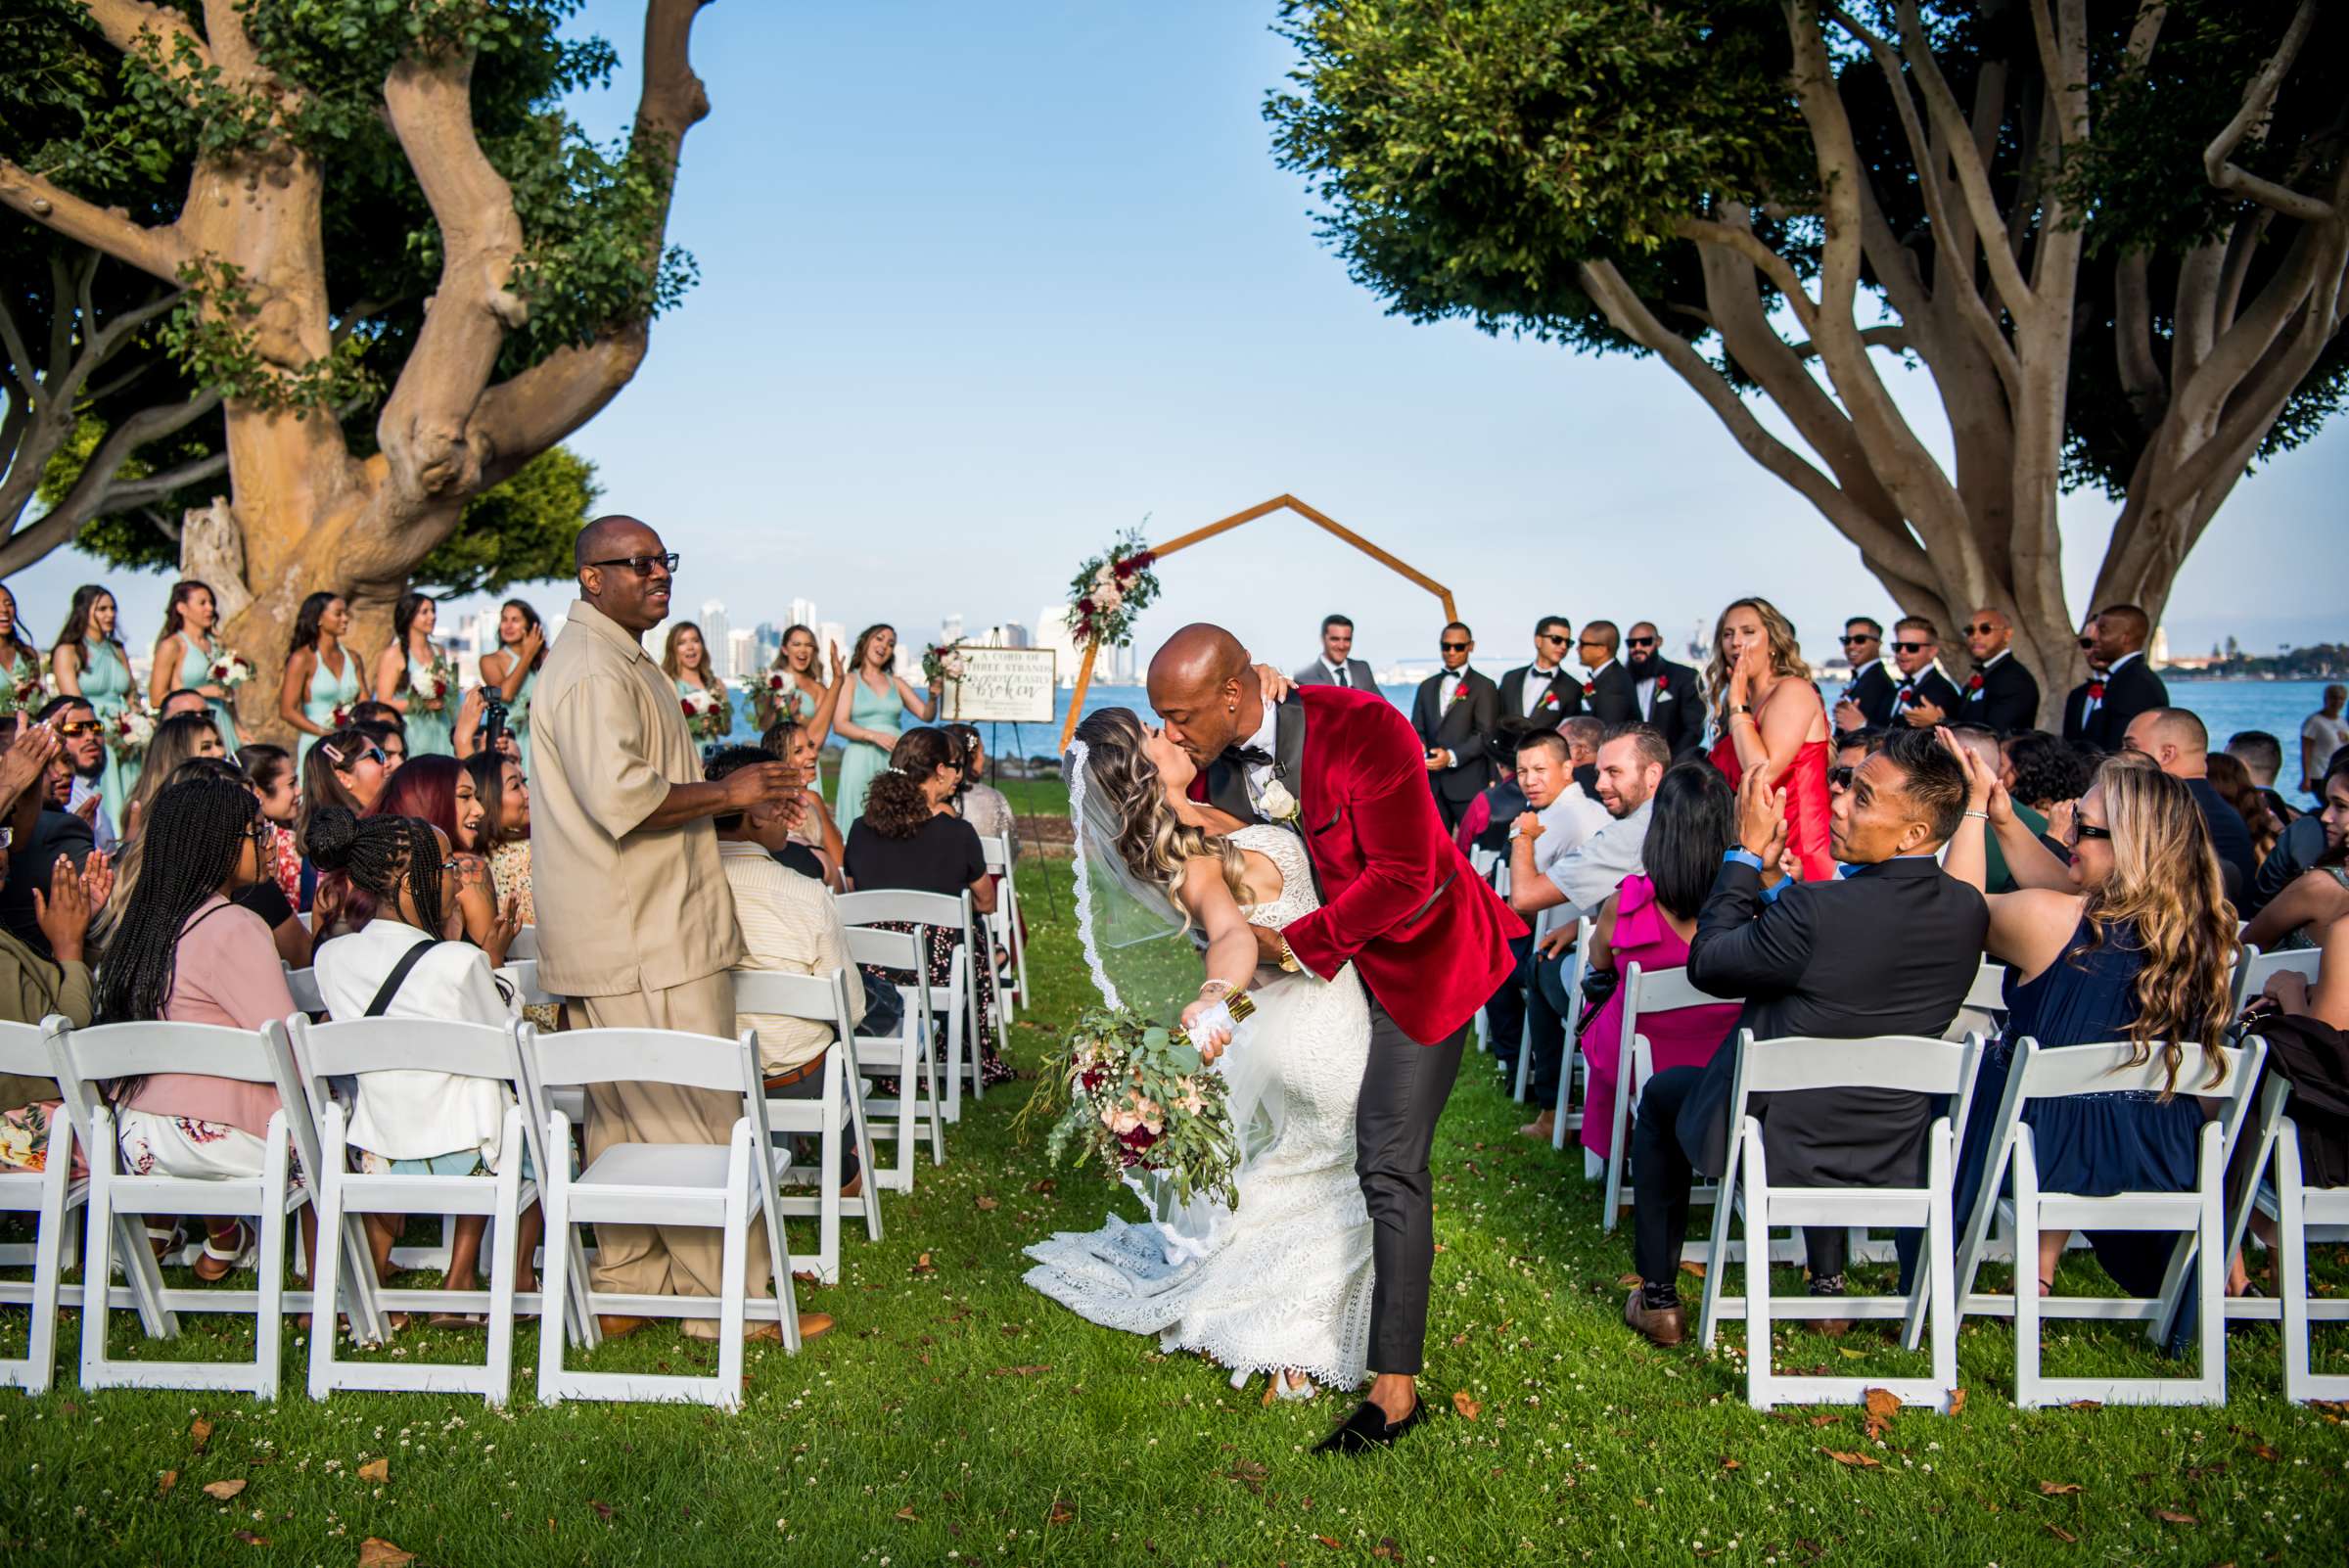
x: 218, y: 1260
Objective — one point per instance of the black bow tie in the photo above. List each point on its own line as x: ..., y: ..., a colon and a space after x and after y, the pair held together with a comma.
x: 1253, y: 756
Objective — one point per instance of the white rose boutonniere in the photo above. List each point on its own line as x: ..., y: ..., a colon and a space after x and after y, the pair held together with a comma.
x: 1279, y: 804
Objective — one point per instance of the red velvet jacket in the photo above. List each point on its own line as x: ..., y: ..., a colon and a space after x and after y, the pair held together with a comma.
x: 1426, y: 934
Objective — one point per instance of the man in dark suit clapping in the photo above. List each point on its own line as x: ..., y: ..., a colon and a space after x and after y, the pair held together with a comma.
x: 1866, y: 702
x: 1669, y: 696
x: 2129, y: 688
x: 1544, y: 690
x: 1891, y: 948
x: 2000, y: 695
x: 1925, y: 697
x: 1607, y: 690
x: 1454, y: 711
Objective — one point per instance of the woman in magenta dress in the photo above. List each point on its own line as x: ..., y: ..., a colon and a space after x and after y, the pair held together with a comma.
x: 1770, y: 715
x: 1648, y: 922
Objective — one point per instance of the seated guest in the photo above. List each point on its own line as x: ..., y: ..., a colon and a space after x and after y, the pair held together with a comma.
x: 185, y: 952
x: 270, y: 769
x: 174, y: 741
x: 2232, y: 781
x: 389, y: 739
x: 911, y: 838
x: 503, y: 834
x: 1648, y: 922
x: 789, y: 926
x: 2044, y: 772
x: 186, y: 700
x: 264, y: 897
x: 1487, y: 822
x: 1852, y: 748
x: 372, y: 712
x: 438, y: 790
x: 398, y: 959
x: 2137, y: 945
x: 43, y: 831
x: 978, y: 803
x: 1985, y: 748
x: 2177, y: 744
x: 33, y: 983
x: 2306, y: 1026
x: 2262, y: 755
x: 1891, y: 947
x: 83, y: 758
x: 814, y: 847
x: 1559, y: 818
x: 1630, y: 763
x: 2321, y: 737
x: 1583, y: 734
x: 344, y: 769
x: 2319, y: 894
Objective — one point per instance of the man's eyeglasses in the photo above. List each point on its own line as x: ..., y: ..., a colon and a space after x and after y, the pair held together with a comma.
x: 78, y: 728
x: 1982, y: 630
x: 1911, y: 647
x: 1641, y: 642
x: 642, y: 564
x: 1462, y: 647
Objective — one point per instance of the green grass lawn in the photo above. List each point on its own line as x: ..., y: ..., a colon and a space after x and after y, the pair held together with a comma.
x: 954, y: 1417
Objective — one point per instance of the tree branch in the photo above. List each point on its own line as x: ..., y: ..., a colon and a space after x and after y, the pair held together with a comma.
x: 2259, y: 98
x: 1740, y: 238
x: 1892, y: 337
x: 2133, y: 338
x: 123, y: 22
x: 1973, y: 179
x: 91, y: 493
x: 159, y: 251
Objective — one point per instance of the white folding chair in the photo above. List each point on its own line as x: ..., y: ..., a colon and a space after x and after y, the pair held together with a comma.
x: 50, y: 1195
x: 2198, y: 1213
x: 525, y: 944
x: 823, y: 999
x: 2295, y: 1207
x: 725, y: 1187
x: 1004, y: 924
x: 1480, y: 865
x: 1571, y: 1067
x: 1645, y: 993
x: 303, y: 986
x: 1988, y: 989
x: 2254, y: 969
x: 1934, y: 1067
x: 363, y: 1045
x: 910, y: 1056
x: 85, y: 1061
x: 959, y: 1001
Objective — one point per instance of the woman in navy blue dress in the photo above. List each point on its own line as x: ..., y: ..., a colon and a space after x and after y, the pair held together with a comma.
x: 2129, y: 937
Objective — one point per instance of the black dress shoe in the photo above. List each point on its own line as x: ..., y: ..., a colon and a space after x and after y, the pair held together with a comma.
x: 1367, y: 1430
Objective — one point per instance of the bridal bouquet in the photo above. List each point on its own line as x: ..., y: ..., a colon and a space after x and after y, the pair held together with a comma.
x: 776, y: 696
x: 437, y: 684
x: 1140, y: 1098
x: 231, y: 670
x: 943, y: 661
x: 128, y: 732
x: 22, y: 692
x: 706, y: 714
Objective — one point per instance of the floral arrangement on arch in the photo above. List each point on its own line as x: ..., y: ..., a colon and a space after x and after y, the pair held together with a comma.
x: 1109, y: 590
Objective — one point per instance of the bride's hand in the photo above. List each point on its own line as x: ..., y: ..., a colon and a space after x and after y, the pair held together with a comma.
x: 1216, y: 1038
x: 1276, y: 685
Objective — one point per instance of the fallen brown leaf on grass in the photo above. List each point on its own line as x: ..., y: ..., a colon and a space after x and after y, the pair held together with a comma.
x: 2059, y: 1488
x: 1331, y: 1543
x: 1061, y: 1514
x: 2086, y: 1405
x: 1249, y: 1474
x: 1629, y: 1281
x: 1469, y: 1409
x: 2059, y: 1533
x: 376, y: 1470
x: 1458, y: 1340
x: 1688, y: 1267
x: 165, y: 1482
x: 1824, y: 1420
x: 2173, y: 1516
x: 603, y: 1510
x: 251, y: 1539
x: 1956, y: 1402
x: 1882, y: 1404
x: 199, y: 1434
x: 1861, y: 1462
x: 222, y: 1490
x: 1047, y: 1184
x: 987, y: 1205
x: 923, y: 1264
x: 376, y: 1552
x: 908, y: 1512
x: 1012, y: 1372
x: 1731, y: 1464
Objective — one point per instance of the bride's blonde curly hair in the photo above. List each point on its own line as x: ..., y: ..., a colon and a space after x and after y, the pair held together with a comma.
x: 1154, y: 843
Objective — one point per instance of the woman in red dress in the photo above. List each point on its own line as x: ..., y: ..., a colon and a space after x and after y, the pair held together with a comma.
x: 1770, y: 716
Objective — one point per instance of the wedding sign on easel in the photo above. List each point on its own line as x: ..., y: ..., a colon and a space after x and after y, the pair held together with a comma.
x: 1006, y: 686
x: 1109, y: 589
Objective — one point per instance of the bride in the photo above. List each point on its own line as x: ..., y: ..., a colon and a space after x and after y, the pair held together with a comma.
x: 1281, y: 1282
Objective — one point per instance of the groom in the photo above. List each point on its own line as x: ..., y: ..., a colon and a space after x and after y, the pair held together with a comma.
x: 1344, y: 770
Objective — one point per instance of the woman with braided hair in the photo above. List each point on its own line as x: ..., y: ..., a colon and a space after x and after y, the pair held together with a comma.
x: 402, y: 959
x: 184, y: 952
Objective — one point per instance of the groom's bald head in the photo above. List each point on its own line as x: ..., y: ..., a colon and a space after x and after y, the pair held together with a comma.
x: 1202, y: 686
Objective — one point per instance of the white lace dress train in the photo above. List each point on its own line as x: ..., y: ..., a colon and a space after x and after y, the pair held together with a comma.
x: 1283, y: 1279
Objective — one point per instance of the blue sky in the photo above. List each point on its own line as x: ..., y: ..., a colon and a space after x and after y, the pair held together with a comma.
x: 983, y: 285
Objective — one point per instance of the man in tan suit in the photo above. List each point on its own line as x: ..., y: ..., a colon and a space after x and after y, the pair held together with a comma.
x: 635, y: 921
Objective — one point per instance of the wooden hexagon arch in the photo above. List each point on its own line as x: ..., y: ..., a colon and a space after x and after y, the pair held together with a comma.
x: 1278, y: 503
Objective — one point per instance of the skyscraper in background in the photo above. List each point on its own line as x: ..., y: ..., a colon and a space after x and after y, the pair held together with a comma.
x: 1052, y: 631
x: 742, y: 653
x: 829, y: 634
x: 717, y: 636
x: 950, y: 628
x: 802, y: 614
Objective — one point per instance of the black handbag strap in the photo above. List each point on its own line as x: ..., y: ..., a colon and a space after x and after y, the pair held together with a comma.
x: 399, y: 972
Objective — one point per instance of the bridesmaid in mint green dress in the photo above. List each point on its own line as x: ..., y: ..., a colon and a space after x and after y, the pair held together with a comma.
x: 89, y: 663
x: 685, y: 660
x: 511, y: 670
x: 321, y: 674
x: 184, y: 655
x: 26, y: 689
x: 405, y: 674
x: 877, y: 702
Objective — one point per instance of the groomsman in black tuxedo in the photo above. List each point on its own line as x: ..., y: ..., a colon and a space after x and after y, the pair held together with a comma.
x: 1607, y: 690
x: 1544, y: 690
x: 2077, y: 703
x: 1337, y: 666
x: 1671, y: 699
x: 1454, y: 711
x: 1925, y: 697
x: 2129, y: 688
x: 2000, y: 695
x: 1868, y: 701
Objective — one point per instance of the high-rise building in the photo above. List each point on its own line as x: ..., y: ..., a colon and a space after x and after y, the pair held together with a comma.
x: 950, y: 628
x: 1014, y: 635
x: 717, y: 637
x: 1052, y: 631
x: 485, y: 641
x: 802, y: 613
x: 830, y: 634
x: 742, y: 653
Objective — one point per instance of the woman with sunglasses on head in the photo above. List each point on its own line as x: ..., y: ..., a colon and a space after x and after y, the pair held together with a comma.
x: 185, y: 652
x: 2129, y: 937
x: 185, y: 952
x: 399, y: 957
x: 877, y: 700
x: 345, y: 769
x: 89, y: 662
x: 510, y: 670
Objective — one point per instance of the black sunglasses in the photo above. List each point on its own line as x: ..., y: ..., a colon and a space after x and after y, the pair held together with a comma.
x: 2088, y: 644
x: 1859, y: 636
x: 1840, y: 778
x: 1462, y: 647
x: 1911, y: 647
x: 1554, y: 637
x: 1641, y: 642
x: 2089, y: 830
x: 642, y: 564
x: 1982, y: 631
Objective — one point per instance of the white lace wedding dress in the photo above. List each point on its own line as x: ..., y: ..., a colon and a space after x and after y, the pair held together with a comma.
x: 1282, y: 1281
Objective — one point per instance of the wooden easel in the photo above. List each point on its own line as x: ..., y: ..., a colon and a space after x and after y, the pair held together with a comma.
x: 1328, y: 525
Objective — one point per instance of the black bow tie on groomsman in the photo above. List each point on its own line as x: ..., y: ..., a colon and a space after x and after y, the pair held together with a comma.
x: 1253, y: 756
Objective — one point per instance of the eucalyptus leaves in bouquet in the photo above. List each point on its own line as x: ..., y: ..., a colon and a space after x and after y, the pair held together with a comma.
x: 1139, y: 1098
